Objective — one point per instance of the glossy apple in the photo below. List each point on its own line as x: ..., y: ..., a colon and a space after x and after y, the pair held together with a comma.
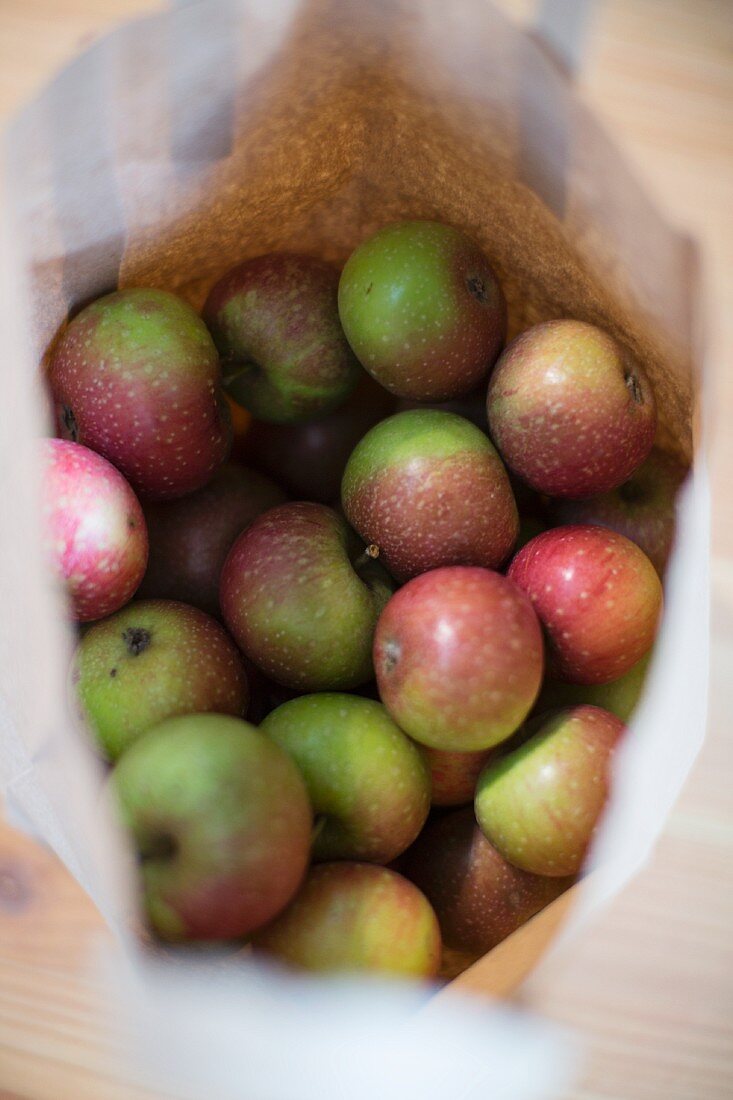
x: 136, y: 377
x: 422, y: 309
x: 478, y: 897
x: 597, y: 596
x: 220, y: 819
x: 356, y: 917
x: 570, y: 410
x: 152, y: 660
x: 540, y: 804
x: 368, y: 783
x: 94, y: 534
x: 301, y: 598
x: 275, y: 322
x: 191, y: 537
x: 458, y: 657
x: 642, y: 509
x: 453, y: 775
x: 428, y: 489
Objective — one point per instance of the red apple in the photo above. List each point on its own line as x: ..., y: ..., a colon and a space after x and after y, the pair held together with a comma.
x: 136, y: 377
x: 458, y: 657
x: 478, y: 897
x: 453, y: 775
x: 570, y: 411
x: 598, y: 598
x: 191, y: 537
x: 95, y: 533
x: 643, y: 508
x: 540, y: 804
x: 356, y: 916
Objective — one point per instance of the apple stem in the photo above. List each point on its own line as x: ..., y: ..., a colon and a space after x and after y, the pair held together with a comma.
x: 369, y: 553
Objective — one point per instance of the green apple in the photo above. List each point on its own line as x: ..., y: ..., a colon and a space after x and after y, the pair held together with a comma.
x: 368, y: 783
x: 221, y: 822
x: 620, y: 696
x: 150, y: 661
x: 540, y: 804
x: 356, y: 917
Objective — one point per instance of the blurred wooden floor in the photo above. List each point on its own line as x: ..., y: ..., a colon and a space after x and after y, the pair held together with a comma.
x: 650, y: 986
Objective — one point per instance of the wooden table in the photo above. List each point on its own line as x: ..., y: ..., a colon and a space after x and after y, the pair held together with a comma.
x: 650, y: 986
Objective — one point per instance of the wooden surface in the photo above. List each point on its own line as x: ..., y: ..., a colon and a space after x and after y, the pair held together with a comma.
x: 650, y: 987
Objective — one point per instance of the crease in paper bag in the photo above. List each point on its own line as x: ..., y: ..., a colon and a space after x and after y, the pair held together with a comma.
x: 178, y: 146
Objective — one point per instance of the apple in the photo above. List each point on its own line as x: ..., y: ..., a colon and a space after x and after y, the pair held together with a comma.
x: 428, y: 489
x: 152, y: 660
x: 94, y: 532
x: 422, y: 310
x: 458, y: 657
x: 368, y: 783
x: 453, y: 775
x: 597, y: 596
x: 356, y: 916
x: 642, y: 509
x: 136, y: 377
x: 619, y: 696
x: 275, y: 322
x: 570, y: 410
x: 191, y: 537
x: 220, y: 819
x: 309, y: 459
x: 540, y: 804
x: 478, y: 897
x: 301, y: 597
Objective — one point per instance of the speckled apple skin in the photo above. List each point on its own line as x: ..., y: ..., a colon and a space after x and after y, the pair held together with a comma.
x: 233, y: 809
x: 275, y: 322
x: 191, y: 537
x: 598, y: 597
x: 642, y: 509
x: 570, y: 411
x: 365, y: 778
x: 422, y: 309
x: 619, y: 696
x: 458, y: 657
x: 453, y: 775
x: 356, y: 917
x: 540, y: 804
x: 478, y: 897
x: 428, y: 488
x: 94, y: 530
x: 296, y: 605
x: 136, y: 377
x: 186, y: 664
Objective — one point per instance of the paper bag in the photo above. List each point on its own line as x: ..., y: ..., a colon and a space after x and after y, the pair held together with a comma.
x: 182, y: 144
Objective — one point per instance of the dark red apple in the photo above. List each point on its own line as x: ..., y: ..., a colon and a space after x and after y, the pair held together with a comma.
x: 309, y: 459
x: 643, y: 508
x: 428, y: 489
x: 301, y: 598
x: 94, y: 530
x: 479, y: 898
x: 570, y: 410
x: 598, y: 598
x: 191, y: 537
x: 458, y: 657
x: 275, y: 322
x: 136, y: 377
x: 453, y: 775
x: 540, y: 804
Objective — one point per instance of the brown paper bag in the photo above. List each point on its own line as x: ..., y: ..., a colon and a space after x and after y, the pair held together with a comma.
x: 182, y: 144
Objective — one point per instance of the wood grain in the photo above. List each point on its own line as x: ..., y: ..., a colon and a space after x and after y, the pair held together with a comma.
x: 649, y: 987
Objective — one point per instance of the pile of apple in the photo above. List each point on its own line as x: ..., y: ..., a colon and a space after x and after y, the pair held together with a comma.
x: 434, y: 685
